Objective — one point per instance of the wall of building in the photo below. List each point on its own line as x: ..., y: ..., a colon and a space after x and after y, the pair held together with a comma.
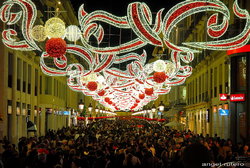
x: 210, y: 77
x: 27, y: 93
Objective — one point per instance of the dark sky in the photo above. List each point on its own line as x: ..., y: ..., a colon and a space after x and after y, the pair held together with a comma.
x: 119, y: 7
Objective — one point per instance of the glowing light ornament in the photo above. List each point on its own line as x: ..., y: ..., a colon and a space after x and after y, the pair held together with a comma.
x: 149, y: 91
x: 101, y: 93
x: 91, y: 77
x: 124, y: 88
x: 159, y: 77
x: 141, y: 96
x: 92, y: 86
x: 170, y: 68
x: 159, y: 66
x: 56, y: 47
x: 73, y: 33
x: 38, y: 33
x: 55, y: 28
x: 100, y: 79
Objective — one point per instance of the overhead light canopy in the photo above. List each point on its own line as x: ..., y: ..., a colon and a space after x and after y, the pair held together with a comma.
x: 141, y: 82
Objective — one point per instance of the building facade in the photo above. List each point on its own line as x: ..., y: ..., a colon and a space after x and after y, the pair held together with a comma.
x: 27, y: 94
x: 218, y: 73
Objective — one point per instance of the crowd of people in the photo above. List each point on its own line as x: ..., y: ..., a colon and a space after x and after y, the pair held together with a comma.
x: 121, y: 144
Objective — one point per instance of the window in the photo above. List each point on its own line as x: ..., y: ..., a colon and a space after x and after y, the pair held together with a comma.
x: 48, y: 85
x: 18, y: 108
x: 29, y: 109
x: 241, y: 74
x: 23, y: 109
x: 24, y: 76
x: 220, y: 74
x: 18, y: 84
x: 220, y: 89
x: 200, y: 88
x: 211, y: 82
x: 10, y: 69
x: 41, y: 84
x: 215, y: 82
x: 29, y: 79
x: 9, y: 107
x: 36, y: 82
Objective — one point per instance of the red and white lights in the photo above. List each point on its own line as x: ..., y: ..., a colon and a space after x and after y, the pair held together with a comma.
x: 94, y: 74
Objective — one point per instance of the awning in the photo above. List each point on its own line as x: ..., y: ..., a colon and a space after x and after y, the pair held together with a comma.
x: 173, y: 112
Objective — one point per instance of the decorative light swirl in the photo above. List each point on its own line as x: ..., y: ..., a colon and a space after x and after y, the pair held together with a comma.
x: 140, y: 82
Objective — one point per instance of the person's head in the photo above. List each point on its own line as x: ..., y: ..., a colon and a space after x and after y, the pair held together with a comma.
x: 194, y: 155
x: 58, y: 166
x: 245, y: 148
x: 76, y: 163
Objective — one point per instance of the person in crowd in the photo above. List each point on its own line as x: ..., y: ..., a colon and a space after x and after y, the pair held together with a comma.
x: 120, y: 143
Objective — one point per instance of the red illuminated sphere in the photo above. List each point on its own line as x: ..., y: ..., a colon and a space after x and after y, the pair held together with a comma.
x: 107, y: 99
x: 137, y: 101
x: 92, y: 86
x: 101, y: 93
x: 149, y: 91
x: 159, y: 77
x: 56, y: 47
x: 141, y: 96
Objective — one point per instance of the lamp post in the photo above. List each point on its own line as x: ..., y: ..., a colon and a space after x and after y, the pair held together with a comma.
x: 90, y: 109
x: 161, y: 108
x: 81, y: 106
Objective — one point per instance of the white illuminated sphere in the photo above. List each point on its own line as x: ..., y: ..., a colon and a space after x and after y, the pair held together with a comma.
x: 55, y: 28
x: 100, y: 79
x: 148, y: 68
x: 73, y: 33
x: 100, y: 86
x: 159, y: 66
x: 92, y: 77
x: 170, y: 68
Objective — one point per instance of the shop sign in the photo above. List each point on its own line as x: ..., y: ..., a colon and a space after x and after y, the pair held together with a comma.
x: 223, y: 112
x: 159, y: 113
x: 237, y: 97
x: 223, y: 97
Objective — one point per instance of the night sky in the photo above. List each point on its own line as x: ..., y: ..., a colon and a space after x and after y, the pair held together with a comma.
x: 119, y: 8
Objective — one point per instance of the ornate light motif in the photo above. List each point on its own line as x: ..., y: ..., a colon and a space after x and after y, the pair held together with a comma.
x: 55, y: 28
x: 73, y: 33
x: 38, y: 33
x: 141, y: 82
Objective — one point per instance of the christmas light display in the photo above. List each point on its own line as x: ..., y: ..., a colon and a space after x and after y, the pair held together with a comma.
x: 38, y: 33
x: 73, y: 33
x: 55, y: 28
x: 96, y: 74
